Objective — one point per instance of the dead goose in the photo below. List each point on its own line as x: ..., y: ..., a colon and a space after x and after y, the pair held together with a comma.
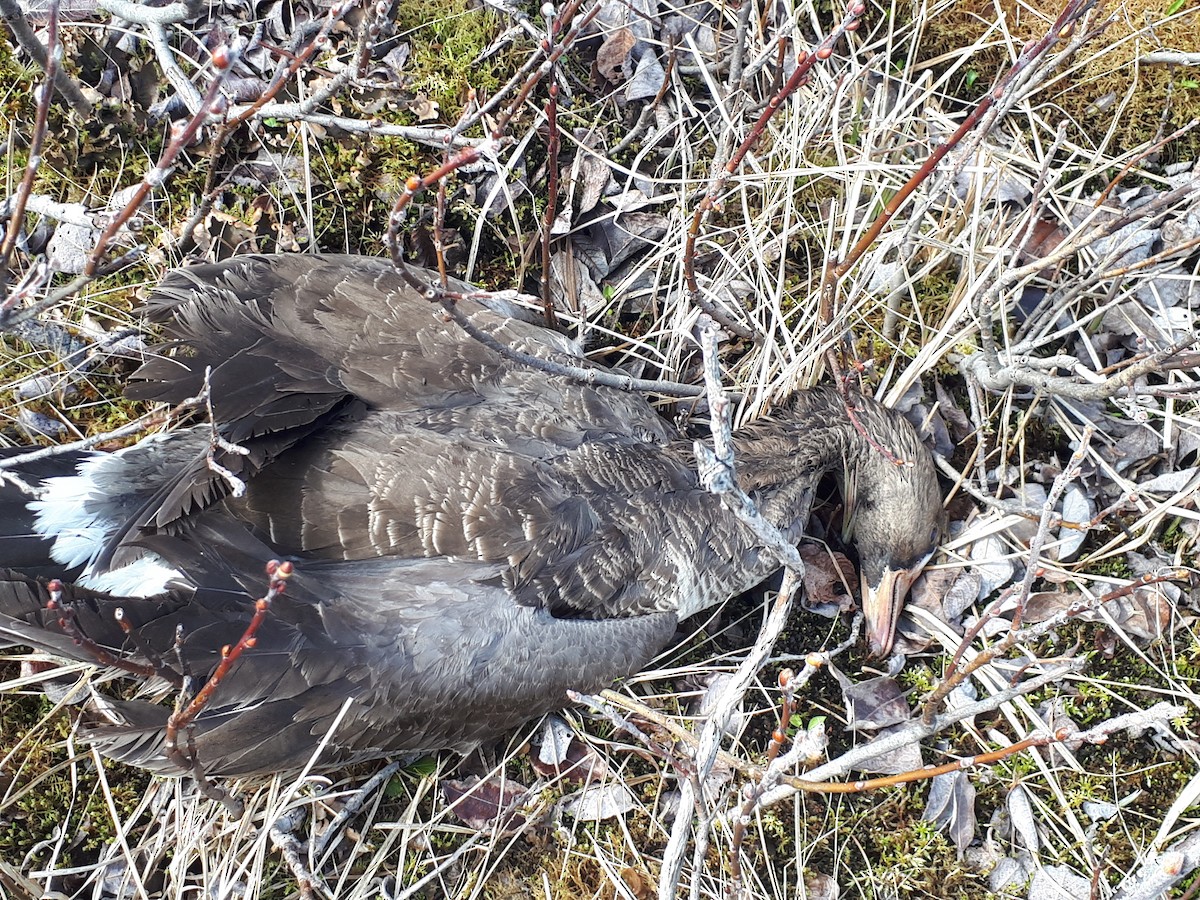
x: 472, y: 538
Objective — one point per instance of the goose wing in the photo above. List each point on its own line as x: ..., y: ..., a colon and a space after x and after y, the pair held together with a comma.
x: 376, y: 428
x: 289, y: 344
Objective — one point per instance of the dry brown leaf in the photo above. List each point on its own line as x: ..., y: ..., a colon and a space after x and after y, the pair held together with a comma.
x: 486, y: 805
x: 826, y: 577
x: 611, y: 57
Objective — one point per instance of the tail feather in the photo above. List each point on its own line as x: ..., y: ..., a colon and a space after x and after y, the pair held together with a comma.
x: 22, y: 545
x: 78, y: 516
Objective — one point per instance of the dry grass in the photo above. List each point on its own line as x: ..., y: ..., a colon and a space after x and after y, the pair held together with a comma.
x: 845, y: 143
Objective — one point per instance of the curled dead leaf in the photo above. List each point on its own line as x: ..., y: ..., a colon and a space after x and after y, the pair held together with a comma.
x: 487, y: 805
x: 613, y: 53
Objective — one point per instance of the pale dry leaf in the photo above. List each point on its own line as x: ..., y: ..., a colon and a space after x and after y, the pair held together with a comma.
x: 425, y: 109
x: 556, y: 738
x: 951, y: 807
x: 879, y: 703
x: 1009, y: 873
x: 929, y: 590
x: 1058, y: 883
x: 1133, y: 448
x: 963, y: 594
x: 590, y: 177
x: 572, y: 286
x: 991, y: 565
x: 1077, y: 509
x: 648, y: 75
x: 1032, y: 496
x: 626, y: 234
x: 905, y: 758
x: 1044, y: 605
x: 1168, y: 482
x: 599, y: 802
x: 1020, y: 813
x: 1100, y: 811
x: 578, y: 763
x: 876, y: 703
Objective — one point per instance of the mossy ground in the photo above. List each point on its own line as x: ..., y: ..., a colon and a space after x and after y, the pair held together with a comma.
x: 1153, y: 99
x: 47, y: 792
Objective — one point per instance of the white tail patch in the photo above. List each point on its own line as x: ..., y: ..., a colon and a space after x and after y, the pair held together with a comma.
x: 81, y: 513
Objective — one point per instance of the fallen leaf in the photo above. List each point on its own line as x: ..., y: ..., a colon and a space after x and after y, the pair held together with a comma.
x: 827, y: 578
x: 611, y: 57
x: 602, y: 801
x: 486, y: 805
x: 1057, y: 882
x: 818, y: 886
x: 951, y: 807
x: 875, y: 703
x: 640, y: 884
x: 1020, y: 813
x: 991, y: 565
x: 1078, y: 509
x: 423, y: 108
x: 562, y: 755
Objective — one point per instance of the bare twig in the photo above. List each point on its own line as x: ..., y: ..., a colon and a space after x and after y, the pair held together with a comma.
x: 803, y: 71
x: 223, y: 58
x: 718, y: 475
x: 66, y: 621
x: 17, y: 220
x: 63, y: 83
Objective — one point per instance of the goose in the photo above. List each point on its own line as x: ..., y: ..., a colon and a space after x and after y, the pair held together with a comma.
x: 471, y: 537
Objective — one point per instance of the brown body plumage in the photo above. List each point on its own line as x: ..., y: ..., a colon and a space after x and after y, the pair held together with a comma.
x: 472, y: 537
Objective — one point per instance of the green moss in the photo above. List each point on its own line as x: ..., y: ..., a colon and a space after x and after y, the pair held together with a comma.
x: 34, y: 813
x: 916, y: 859
x: 446, y: 39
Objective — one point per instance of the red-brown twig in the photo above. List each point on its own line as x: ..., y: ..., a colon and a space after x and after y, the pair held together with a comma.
x: 282, y: 76
x: 959, y: 673
x: 66, y: 621
x: 223, y: 58
x: 967, y: 762
x: 803, y: 71
x: 184, y: 716
x: 41, y: 117
x: 1062, y: 29
x: 552, y: 56
x: 279, y: 573
x: 160, y: 667
x: 369, y: 29
x: 754, y: 791
x: 415, y: 185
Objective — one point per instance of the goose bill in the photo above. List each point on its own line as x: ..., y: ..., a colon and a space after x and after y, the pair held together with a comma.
x: 882, y: 604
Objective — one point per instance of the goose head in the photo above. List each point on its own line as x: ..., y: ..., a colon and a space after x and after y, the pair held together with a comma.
x: 894, y: 515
